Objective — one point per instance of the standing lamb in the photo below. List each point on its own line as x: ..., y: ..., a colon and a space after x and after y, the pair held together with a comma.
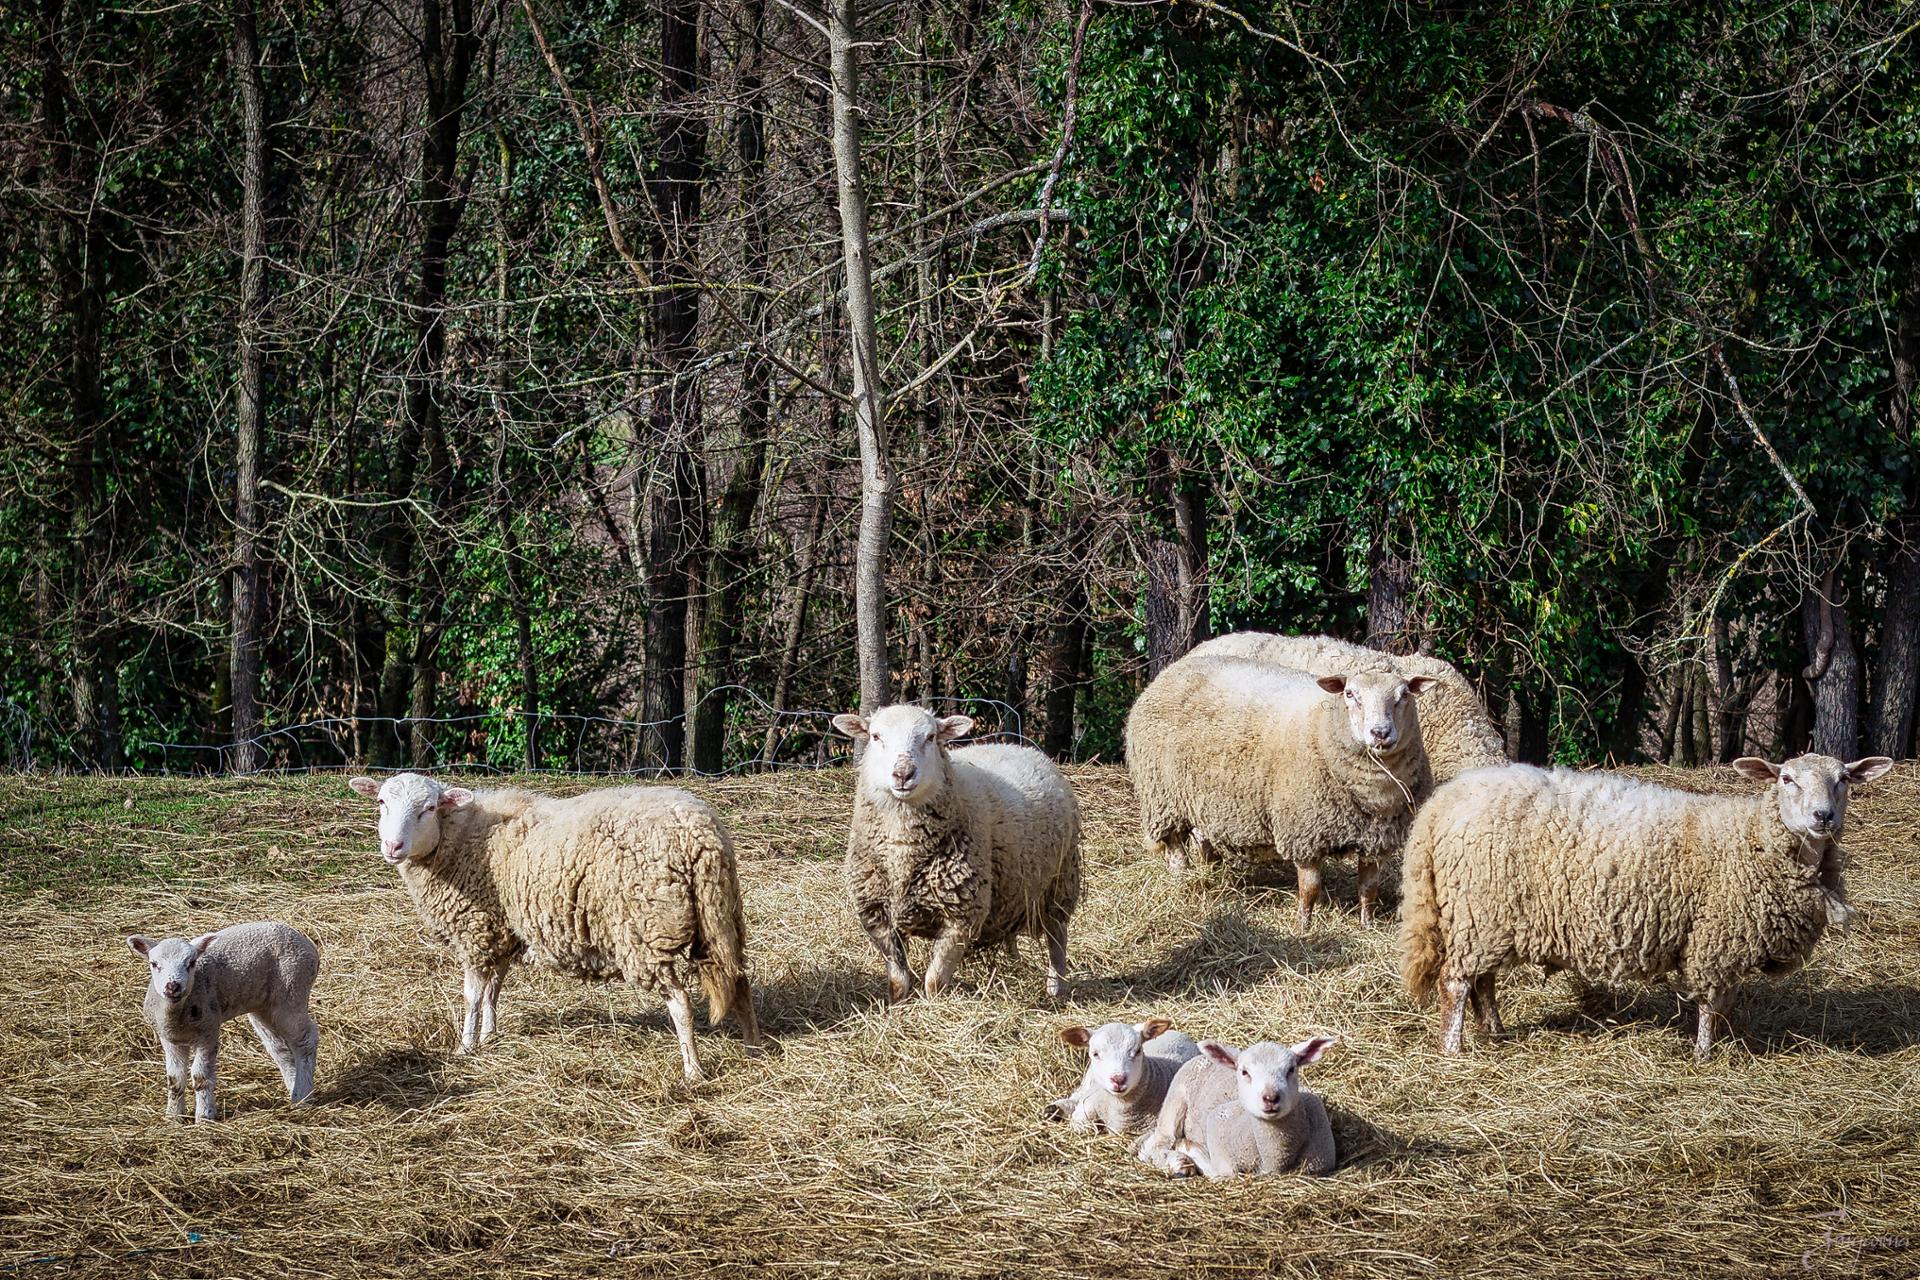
x: 1618, y: 879
x: 1239, y: 756
x: 620, y: 883
x: 264, y: 970
x: 1233, y: 1112
x: 1454, y: 724
x: 1129, y: 1067
x: 969, y: 848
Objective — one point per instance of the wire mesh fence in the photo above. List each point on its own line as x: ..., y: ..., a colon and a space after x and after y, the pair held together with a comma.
x: 758, y: 736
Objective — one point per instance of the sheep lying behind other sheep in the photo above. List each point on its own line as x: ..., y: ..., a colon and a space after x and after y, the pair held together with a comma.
x: 1619, y: 879
x: 620, y: 883
x: 970, y: 848
x: 1129, y: 1067
x: 264, y: 970
x: 1454, y: 724
x: 1232, y: 1112
x: 1237, y: 756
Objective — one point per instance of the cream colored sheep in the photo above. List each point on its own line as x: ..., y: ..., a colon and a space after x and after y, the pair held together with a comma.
x: 1129, y: 1066
x: 1234, y: 1111
x: 970, y: 848
x: 1454, y: 724
x: 1234, y: 756
x: 1619, y: 879
x: 620, y: 883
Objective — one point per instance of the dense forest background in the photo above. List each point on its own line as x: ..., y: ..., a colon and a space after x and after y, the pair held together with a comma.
x: 614, y: 385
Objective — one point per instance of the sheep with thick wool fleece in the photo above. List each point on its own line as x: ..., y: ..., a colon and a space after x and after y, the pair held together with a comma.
x: 969, y: 847
x: 1234, y: 755
x: 1618, y: 879
x: 617, y: 883
x: 1454, y: 725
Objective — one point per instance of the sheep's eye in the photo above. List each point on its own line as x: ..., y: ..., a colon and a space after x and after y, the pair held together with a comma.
x: 1787, y: 780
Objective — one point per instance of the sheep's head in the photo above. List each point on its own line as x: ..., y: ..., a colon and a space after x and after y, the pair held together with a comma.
x: 1269, y: 1073
x: 1379, y: 706
x: 906, y: 750
x: 410, y: 809
x: 1812, y: 789
x: 171, y: 963
x: 1115, y: 1052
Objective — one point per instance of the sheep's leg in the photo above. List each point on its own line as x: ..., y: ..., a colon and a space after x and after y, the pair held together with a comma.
x: 878, y: 923
x: 303, y: 1037
x: 205, y: 1055
x: 743, y: 1012
x: 176, y: 1060
x: 949, y: 948
x: 1713, y: 1012
x: 1056, y: 931
x: 1175, y: 851
x: 277, y: 1048
x: 1309, y: 873
x: 1486, y: 1006
x: 474, y: 983
x: 490, y: 1004
x: 1200, y: 1158
x: 680, y: 1009
x: 1369, y: 889
x: 1453, y: 1013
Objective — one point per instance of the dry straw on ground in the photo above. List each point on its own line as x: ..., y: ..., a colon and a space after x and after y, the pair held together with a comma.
x: 905, y: 1142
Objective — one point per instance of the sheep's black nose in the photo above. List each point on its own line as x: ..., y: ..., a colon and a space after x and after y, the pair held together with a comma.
x: 1823, y: 815
x: 173, y: 988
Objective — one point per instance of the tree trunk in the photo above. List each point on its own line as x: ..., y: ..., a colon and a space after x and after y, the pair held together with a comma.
x: 730, y: 556
x: 796, y: 626
x: 1176, y: 564
x: 1896, y: 677
x: 251, y: 408
x: 503, y: 512
x: 1833, y: 670
x: 677, y: 509
x: 876, y: 469
x: 1390, y: 625
x: 1063, y: 667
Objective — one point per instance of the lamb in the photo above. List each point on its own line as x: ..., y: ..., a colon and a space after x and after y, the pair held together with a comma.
x: 620, y: 883
x: 970, y: 848
x: 1232, y: 1112
x: 1129, y: 1067
x: 1237, y: 755
x: 1619, y: 879
x: 264, y: 970
x: 1454, y: 724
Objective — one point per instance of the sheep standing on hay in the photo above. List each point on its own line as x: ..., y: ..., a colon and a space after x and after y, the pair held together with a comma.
x: 1619, y: 879
x: 264, y: 970
x: 1234, y: 755
x: 970, y: 848
x: 1454, y: 724
x: 617, y: 883
x: 1129, y: 1067
x: 1241, y: 1111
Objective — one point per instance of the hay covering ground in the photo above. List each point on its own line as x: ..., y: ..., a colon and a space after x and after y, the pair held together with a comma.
x: 907, y: 1142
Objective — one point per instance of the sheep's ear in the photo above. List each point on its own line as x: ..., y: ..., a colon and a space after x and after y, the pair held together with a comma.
x: 1418, y: 685
x: 1310, y: 1051
x: 455, y: 798
x: 200, y: 943
x: 1225, y: 1055
x: 1757, y: 769
x: 1153, y: 1027
x: 1333, y: 684
x: 1075, y: 1036
x: 851, y: 725
x: 138, y: 944
x: 954, y: 728
x: 1864, y: 771
x: 365, y: 786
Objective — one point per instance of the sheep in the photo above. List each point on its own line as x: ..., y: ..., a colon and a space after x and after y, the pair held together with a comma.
x: 1237, y: 755
x: 1129, y: 1066
x: 1619, y: 879
x: 264, y: 970
x: 616, y: 883
x: 1458, y: 732
x: 969, y: 848
x: 1232, y: 1112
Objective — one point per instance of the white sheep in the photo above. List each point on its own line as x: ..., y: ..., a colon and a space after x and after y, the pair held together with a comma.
x: 1232, y: 1112
x: 970, y: 848
x: 264, y: 970
x: 1234, y: 756
x: 1454, y: 725
x: 1129, y: 1066
x: 1618, y: 879
x: 618, y: 883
